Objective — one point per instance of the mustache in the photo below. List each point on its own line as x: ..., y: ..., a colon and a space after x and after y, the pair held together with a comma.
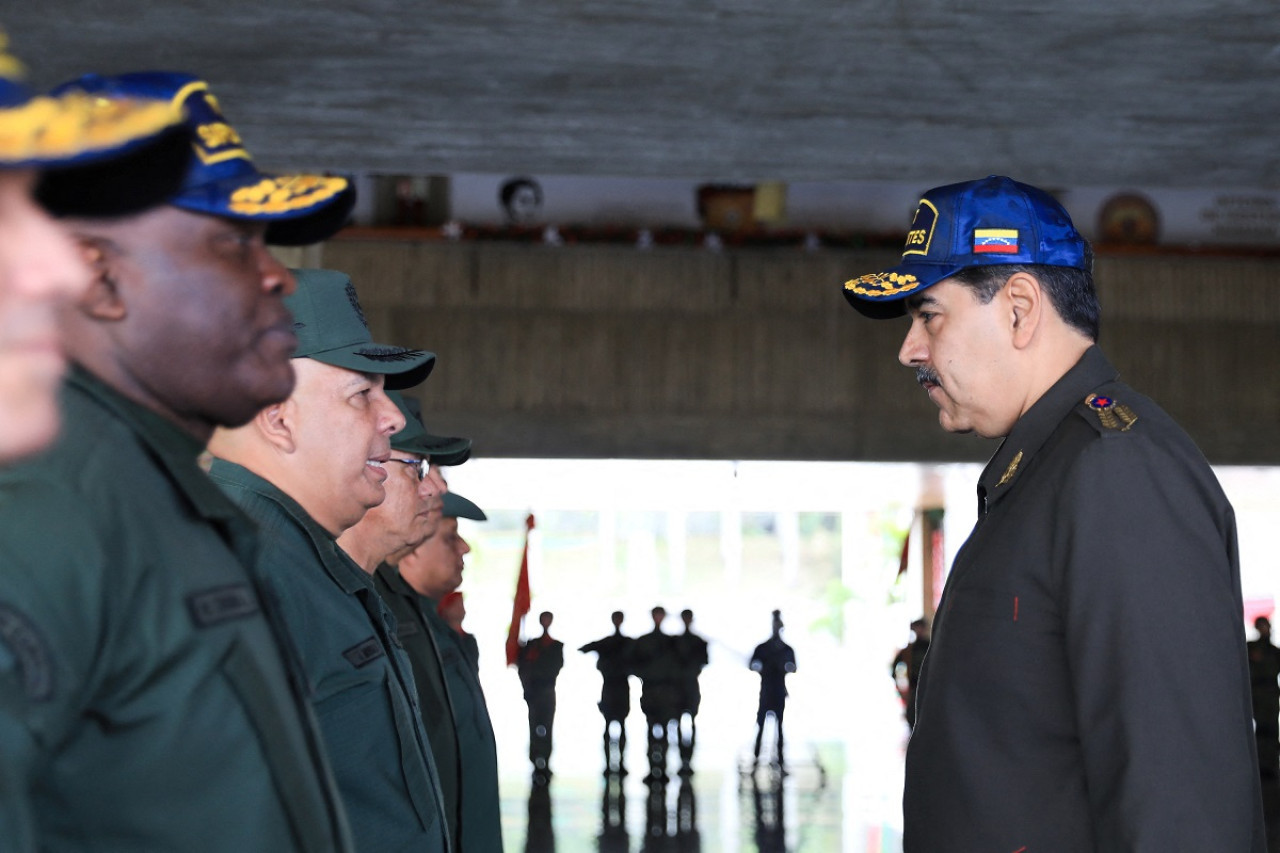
x: 927, y: 374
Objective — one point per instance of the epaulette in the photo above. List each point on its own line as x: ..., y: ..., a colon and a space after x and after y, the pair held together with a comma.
x: 1111, y: 414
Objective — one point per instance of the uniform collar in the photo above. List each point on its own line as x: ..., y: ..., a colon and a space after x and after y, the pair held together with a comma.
x: 344, y: 571
x: 1035, y: 426
x: 174, y: 449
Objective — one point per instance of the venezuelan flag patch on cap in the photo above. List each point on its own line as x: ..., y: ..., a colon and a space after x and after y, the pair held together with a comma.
x: 1000, y: 241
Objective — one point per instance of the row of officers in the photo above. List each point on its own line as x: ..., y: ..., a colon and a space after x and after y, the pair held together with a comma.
x: 225, y: 538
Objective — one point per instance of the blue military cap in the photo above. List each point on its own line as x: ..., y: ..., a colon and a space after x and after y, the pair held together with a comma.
x: 976, y: 223
x: 96, y: 155
x: 222, y: 179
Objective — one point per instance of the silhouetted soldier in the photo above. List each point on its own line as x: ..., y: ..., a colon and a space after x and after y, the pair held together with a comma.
x: 691, y: 656
x: 1264, y: 670
x: 906, y: 667
x: 613, y: 659
x: 774, y: 660
x: 539, y: 663
x: 655, y: 663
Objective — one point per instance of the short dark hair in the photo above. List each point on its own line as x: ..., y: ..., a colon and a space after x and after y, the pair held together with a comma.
x: 1071, y: 291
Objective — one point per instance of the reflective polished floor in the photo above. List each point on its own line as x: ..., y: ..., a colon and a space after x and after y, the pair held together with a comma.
x: 840, y: 788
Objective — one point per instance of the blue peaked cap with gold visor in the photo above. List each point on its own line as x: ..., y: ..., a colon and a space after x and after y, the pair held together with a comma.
x: 222, y: 179
x: 996, y: 220
x: 96, y: 156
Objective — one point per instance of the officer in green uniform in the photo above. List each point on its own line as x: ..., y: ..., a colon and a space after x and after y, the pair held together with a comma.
x: 148, y: 699
x: 453, y: 705
x: 307, y: 470
x: 1086, y: 686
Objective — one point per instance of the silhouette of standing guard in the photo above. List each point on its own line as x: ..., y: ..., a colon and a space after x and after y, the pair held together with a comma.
x: 691, y: 656
x: 613, y: 659
x: 1264, y: 668
x: 539, y: 662
x: 655, y: 663
x: 774, y: 660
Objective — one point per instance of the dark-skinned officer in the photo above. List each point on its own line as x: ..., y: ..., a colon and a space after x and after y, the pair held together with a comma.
x: 1086, y: 687
x: 153, y: 705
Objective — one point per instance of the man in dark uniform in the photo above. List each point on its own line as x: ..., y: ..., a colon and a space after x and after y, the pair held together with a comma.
x: 774, y: 660
x: 691, y: 657
x: 655, y: 663
x: 613, y: 659
x: 148, y: 698
x: 306, y: 470
x: 539, y: 662
x: 1264, y: 677
x: 461, y: 735
x: 409, y: 515
x: 1086, y: 686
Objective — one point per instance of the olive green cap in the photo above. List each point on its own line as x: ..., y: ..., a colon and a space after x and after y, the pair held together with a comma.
x: 331, y: 329
x: 414, y: 438
x: 456, y: 506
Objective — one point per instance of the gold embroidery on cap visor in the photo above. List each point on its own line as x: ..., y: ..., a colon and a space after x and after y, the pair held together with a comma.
x: 76, y: 123
x: 882, y: 284
x: 285, y: 194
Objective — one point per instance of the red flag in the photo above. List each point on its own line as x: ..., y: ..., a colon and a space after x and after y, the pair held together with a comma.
x: 520, y: 606
x: 906, y: 545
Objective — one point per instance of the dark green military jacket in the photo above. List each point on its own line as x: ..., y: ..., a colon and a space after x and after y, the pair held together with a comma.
x: 1086, y: 687
x: 145, y: 703
x: 481, y: 817
x: 361, y: 685
x: 433, y: 693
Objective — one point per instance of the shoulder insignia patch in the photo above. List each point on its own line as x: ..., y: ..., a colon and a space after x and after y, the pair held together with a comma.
x: 1113, y: 415
x: 23, y: 640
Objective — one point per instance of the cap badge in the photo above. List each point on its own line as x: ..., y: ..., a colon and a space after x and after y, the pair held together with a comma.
x: 920, y: 237
x: 998, y: 241
x: 1112, y: 415
x: 215, y: 140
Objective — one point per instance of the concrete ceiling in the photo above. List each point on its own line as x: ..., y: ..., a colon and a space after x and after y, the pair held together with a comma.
x: 1086, y: 93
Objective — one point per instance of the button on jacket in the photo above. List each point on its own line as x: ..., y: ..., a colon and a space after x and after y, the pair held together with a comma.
x: 1086, y: 687
x: 145, y: 701
x: 362, y: 688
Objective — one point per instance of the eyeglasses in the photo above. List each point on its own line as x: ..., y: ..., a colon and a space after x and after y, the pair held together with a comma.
x: 420, y: 466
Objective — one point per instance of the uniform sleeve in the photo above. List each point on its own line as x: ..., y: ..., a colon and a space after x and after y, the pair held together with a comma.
x: 1152, y: 622
x: 50, y: 628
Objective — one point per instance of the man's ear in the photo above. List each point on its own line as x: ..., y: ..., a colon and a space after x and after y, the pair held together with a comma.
x: 276, y: 423
x: 102, y: 300
x: 1026, y: 301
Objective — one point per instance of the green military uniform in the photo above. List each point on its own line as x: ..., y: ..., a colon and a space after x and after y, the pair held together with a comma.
x: 433, y: 693
x: 362, y: 688
x: 145, y: 701
x: 453, y: 711
x: 481, y: 817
